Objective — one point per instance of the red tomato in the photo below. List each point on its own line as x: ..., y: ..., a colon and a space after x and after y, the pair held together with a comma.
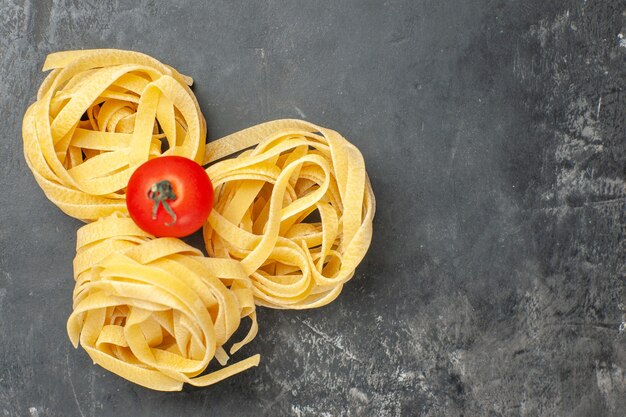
x: 169, y: 196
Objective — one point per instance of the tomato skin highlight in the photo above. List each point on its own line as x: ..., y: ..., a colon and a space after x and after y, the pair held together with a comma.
x: 191, y: 205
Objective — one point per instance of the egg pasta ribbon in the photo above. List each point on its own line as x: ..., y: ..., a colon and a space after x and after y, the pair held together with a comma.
x: 156, y: 311
x: 296, y: 210
x: 99, y: 114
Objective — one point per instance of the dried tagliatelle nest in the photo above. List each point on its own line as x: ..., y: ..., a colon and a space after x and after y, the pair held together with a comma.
x: 265, y: 198
x: 99, y: 114
x: 156, y: 311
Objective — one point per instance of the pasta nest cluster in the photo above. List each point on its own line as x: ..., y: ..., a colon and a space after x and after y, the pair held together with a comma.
x: 292, y: 217
x: 156, y: 311
x: 98, y: 116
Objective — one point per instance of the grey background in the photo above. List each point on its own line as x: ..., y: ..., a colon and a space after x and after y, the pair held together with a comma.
x: 493, y: 132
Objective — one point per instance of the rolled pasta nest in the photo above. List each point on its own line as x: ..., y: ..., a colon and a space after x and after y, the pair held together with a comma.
x: 156, y: 311
x: 296, y: 210
x: 99, y: 114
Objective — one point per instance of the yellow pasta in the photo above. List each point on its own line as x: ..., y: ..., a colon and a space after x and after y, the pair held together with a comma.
x: 265, y: 198
x: 292, y: 217
x: 99, y: 114
x: 156, y: 311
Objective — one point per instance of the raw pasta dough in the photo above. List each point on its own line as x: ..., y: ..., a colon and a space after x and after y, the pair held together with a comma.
x: 264, y: 198
x: 156, y: 311
x: 99, y: 114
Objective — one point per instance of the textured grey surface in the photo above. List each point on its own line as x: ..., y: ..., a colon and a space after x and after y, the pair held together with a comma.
x: 494, y: 135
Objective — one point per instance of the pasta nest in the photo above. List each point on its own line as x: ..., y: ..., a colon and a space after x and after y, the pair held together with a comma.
x: 296, y: 210
x: 156, y: 311
x: 100, y: 114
